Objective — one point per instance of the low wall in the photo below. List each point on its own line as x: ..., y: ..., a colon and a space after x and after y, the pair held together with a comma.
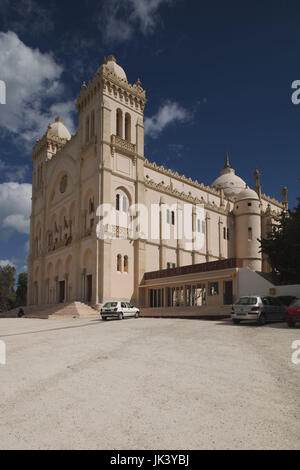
x: 204, y: 313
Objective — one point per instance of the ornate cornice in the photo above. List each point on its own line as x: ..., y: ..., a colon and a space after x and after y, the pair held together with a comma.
x: 183, y: 196
x: 50, y: 143
x: 182, y: 178
x: 132, y: 95
x: 272, y: 201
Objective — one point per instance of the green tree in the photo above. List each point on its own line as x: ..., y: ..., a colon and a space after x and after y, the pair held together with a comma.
x: 21, y: 291
x: 283, y: 247
x: 7, y: 283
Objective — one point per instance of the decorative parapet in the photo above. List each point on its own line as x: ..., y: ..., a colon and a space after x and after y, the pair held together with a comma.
x: 182, y: 178
x: 185, y: 197
x: 50, y: 143
x: 123, y: 146
x: 133, y: 95
x: 272, y: 201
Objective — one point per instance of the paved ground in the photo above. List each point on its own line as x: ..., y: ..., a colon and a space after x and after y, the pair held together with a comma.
x: 148, y: 384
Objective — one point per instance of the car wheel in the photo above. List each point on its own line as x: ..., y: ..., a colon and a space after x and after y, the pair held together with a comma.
x: 120, y: 316
x: 236, y: 322
x: 137, y: 314
x: 291, y: 324
x: 104, y: 318
x: 262, y: 319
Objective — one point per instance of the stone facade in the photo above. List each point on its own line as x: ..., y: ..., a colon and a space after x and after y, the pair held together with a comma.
x: 104, y: 163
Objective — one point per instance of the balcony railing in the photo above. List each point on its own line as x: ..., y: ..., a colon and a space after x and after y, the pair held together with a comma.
x: 195, y: 268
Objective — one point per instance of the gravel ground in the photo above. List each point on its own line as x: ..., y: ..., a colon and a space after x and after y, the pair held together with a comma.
x: 148, y: 384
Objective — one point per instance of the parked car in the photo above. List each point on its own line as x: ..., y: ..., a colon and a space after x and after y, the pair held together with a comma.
x: 119, y: 310
x: 293, y: 313
x: 286, y: 299
x: 260, y: 309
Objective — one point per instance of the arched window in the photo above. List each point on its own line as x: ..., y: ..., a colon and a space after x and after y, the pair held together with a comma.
x: 93, y: 123
x: 173, y: 218
x: 249, y: 233
x: 119, y: 263
x: 128, y: 127
x: 118, y: 202
x: 124, y: 207
x: 125, y: 264
x: 119, y: 118
x: 87, y: 129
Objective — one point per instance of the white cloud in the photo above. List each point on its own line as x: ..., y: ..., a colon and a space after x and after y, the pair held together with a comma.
x: 18, y: 222
x: 31, y: 77
x: 141, y: 15
x: 5, y: 262
x: 15, y: 206
x: 167, y: 114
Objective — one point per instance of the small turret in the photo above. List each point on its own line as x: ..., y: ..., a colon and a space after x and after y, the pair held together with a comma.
x: 247, y: 211
x: 257, y: 187
x: 284, y: 198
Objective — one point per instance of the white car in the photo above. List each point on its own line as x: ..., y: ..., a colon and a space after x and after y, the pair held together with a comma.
x: 119, y: 310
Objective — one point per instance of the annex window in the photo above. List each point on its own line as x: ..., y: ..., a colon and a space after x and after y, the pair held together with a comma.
x: 171, y: 265
x: 213, y: 288
x: 224, y: 233
x: 125, y: 264
x: 203, y: 226
x: 199, y: 225
x: 119, y: 263
x: 228, y: 234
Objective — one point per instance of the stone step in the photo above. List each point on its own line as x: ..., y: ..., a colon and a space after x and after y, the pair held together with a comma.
x: 67, y: 310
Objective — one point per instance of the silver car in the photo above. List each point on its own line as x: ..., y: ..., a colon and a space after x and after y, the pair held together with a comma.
x: 261, y: 309
x: 119, y: 310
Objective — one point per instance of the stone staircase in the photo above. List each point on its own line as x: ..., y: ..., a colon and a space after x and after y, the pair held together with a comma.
x: 63, y: 310
x: 204, y: 313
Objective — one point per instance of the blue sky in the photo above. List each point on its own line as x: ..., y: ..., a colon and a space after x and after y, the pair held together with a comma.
x: 217, y: 79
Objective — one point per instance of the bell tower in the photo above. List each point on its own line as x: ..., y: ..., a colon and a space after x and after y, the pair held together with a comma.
x: 111, y: 114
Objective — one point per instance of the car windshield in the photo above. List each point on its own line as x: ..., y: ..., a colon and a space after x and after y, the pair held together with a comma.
x: 296, y: 303
x: 247, y: 301
x: 110, y: 304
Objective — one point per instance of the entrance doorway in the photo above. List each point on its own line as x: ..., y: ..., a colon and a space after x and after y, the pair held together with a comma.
x: 89, y: 280
x: 228, y: 298
x: 61, y: 291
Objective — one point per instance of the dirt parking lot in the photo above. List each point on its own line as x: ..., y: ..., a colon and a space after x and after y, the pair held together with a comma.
x: 148, y: 384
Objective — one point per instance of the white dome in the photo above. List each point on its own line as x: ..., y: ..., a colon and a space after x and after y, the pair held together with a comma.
x: 247, y: 193
x: 113, y: 67
x: 59, y: 129
x: 231, y: 184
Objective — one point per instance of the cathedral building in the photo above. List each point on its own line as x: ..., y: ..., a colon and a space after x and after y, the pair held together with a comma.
x: 77, y: 253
